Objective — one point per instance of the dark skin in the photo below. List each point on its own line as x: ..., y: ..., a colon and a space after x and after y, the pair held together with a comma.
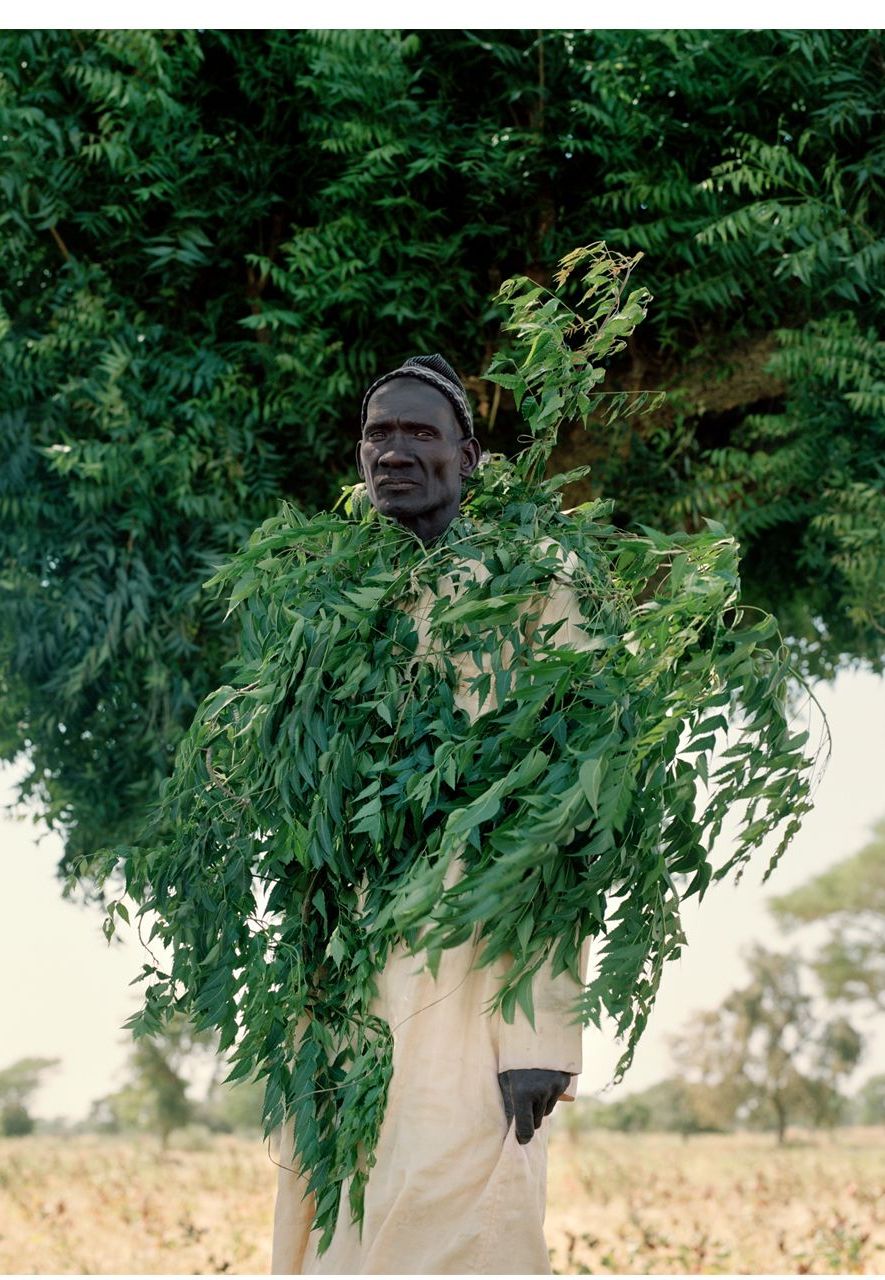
x: 530, y: 1095
x: 413, y: 457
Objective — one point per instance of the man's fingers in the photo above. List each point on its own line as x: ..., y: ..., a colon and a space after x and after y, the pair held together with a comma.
x: 525, y: 1120
x: 517, y: 1107
x: 530, y: 1095
x: 506, y: 1085
x: 559, y: 1086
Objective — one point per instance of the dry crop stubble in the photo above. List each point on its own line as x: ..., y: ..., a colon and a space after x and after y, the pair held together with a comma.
x: 630, y: 1203
x: 98, y: 1205
x: 713, y: 1203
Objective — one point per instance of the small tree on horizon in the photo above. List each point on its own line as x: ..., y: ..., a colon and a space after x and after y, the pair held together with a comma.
x: 850, y: 897
x: 156, y: 1098
x: 764, y: 1054
x: 18, y: 1083
x: 868, y: 1104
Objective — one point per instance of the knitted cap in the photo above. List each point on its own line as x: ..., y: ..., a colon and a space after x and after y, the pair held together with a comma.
x: 438, y: 373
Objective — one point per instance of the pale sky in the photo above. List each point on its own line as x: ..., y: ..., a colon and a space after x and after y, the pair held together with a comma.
x: 65, y: 993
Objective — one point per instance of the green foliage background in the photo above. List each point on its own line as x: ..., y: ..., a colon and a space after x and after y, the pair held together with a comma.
x: 214, y: 240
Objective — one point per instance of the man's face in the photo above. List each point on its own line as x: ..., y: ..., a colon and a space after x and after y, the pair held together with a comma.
x: 413, y: 455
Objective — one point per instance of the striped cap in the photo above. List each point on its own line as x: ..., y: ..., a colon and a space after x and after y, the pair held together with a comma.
x: 438, y: 373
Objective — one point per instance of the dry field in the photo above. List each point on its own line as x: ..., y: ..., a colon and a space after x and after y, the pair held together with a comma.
x: 656, y: 1204
x: 618, y: 1203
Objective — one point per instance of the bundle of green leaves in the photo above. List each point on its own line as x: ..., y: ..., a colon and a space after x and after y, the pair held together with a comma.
x: 320, y: 797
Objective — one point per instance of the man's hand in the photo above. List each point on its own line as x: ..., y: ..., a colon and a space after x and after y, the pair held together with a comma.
x: 529, y: 1096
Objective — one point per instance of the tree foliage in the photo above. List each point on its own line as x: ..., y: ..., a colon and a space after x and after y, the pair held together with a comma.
x: 850, y: 897
x: 673, y: 1105
x: 18, y: 1083
x: 869, y: 1101
x: 214, y: 240
x: 321, y: 797
x: 156, y: 1098
x: 233, y: 1108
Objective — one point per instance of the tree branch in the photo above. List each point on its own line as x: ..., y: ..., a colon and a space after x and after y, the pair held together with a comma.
x: 63, y: 248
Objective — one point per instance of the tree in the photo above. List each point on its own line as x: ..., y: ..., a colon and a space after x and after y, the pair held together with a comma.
x: 18, y: 1082
x: 869, y: 1101
x: 851, y: 898
x: 16, y: 1121
x: 230, y: 1108
x: 675, y: 1105
x: 629, y: 1115
x: 155, y: 1099
x: 582, y: 1116
x: 836, y: 1053
x: 213, y: 240
x: 163, y: 1089
x: 763, y: 1051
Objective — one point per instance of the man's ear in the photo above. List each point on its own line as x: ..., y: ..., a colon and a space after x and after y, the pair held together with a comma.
x: 359, y: 459
x: 470, y: 455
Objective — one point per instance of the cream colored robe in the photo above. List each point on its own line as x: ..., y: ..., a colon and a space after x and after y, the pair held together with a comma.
x: 451, y: 1191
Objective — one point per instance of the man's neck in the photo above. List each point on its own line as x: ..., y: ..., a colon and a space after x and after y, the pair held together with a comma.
x: 431, y: 525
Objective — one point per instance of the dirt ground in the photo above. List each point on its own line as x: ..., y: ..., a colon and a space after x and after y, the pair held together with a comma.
x: 637, y: 1204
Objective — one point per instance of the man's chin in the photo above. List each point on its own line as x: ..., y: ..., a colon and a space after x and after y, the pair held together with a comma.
x: 398, y: 505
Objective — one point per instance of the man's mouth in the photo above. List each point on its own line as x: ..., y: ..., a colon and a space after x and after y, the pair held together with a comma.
x: 396, y: 483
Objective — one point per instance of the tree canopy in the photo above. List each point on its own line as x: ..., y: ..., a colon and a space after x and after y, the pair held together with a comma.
x: 18, y: 1082
x: 214, y: 240
x: 763, y: 1054
x: 156, y: 1096
x: 851, y: 898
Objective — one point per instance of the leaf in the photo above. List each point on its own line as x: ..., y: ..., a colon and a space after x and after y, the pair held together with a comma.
x: 591, y: 774
x: 367, y: 597
x: 525, y: 998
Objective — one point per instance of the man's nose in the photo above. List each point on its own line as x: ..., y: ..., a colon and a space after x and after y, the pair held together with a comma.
x: 397, y: 452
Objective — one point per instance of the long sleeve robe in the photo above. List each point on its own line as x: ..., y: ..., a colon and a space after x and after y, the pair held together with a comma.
x: 451, y: 1190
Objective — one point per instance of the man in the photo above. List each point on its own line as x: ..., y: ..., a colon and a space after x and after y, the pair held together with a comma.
x: 459, y: 1182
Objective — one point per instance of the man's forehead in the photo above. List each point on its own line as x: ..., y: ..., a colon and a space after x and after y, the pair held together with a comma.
x: 411, y: 398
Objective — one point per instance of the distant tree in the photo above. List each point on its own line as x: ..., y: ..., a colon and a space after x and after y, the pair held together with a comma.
x: 582, y: 1116
x: 836, y: 1052
x: 670, y: 1106
x: 156, y: 1097
x: 676, y: 1105
x: 763, y: 1053
x: 851, y: 898
x: 673, y: 1105
x: 18, y: 1082
x: 15, y: 1121
x: 869, y: 1101
x: 628, y: 1115
x: 231, y: 1108
x: 164, y: 1090
x: 119, y: 1112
